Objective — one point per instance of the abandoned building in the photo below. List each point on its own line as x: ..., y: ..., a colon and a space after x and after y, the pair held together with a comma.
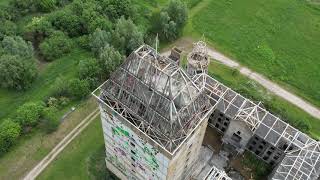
x: 155, y: 114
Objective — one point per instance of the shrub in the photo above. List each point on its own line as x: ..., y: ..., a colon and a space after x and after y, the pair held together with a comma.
x: 109, y: 59
x: 17, y: 73
x: 22, y: 7
x: 17, y: 46
x: 177, y: 12
x: 29, y: 113
x: 55, y: 46
x: 126, y: 37
x: 45, y: 5
x: 38, y: 29
x: 8, y: 28
x: 265, y: 52
x: 90, y: 70
x: 79, y: 89
x: 98, y: 40
x: 9, y: 132
x: 50, y: 119
x: 60, y: 87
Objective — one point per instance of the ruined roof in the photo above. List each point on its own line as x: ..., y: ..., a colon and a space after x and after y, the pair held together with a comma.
x: 302, y: 152
x: 166, y: 104
x: 217, y: 174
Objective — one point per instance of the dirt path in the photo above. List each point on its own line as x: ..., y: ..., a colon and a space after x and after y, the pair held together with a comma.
x: 186, y: 44
x: 56, y: 150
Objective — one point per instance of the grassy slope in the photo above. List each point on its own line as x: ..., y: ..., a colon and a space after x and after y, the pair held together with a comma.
x: 289, y: 28
x: 11, y: 100
x: 34, y: 147
x: 72, y: 163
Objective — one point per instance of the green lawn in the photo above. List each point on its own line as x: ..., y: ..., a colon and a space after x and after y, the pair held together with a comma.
x: 74, y: 161
x: 10, y: 100
x: 278, y: 38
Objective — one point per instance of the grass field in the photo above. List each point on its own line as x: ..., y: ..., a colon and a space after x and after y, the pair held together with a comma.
x: 73, y: 162
x: 10, y: 100
x: 278, y: 38
x: 32, y: 148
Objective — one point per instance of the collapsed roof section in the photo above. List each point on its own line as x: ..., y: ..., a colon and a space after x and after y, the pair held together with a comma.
x: 217, y: 174
x: 166, y: 103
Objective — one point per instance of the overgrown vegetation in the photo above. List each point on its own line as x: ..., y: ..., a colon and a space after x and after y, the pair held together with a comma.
x: 56, y: 52
x: 259, y: 168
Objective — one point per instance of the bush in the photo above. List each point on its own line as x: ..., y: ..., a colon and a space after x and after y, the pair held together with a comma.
x: 109, y: 59
x: 8, y: 28
x: 9, y: 132
x: 22, y: 7
x: 38, y: 29
x: 90, y: 70
x: 60, y: 87
x: 17, y: 46
x: 126, y: 37
x: 29, y: 114
x: 50, y: 119
x: 98, y: 40
x: 79, y: 89
x: 45, y: 5
x: 17, y: 73
x: 55, y: 46
x: 67, y: 22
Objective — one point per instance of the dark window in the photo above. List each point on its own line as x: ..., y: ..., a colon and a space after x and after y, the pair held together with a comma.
x: 276, y: 157
x: 223, y: 129
x: 257, y: 152
x: 269, y: 152
x: 227, y: 119
x: 219, y: 119
x: 132, y: 144
x: 133, y: 152
x: 133, y: 159
x: 271, y: 163
x: 250, y: 148
x: 256, y: 138
x: 265, y: 158
x: 254, y: 143
x: 217, y: 125
x: 272, y: 148
x: 221, y: 114
x: 264, y: 143
x: 260, y: 147
x: 226, y: 124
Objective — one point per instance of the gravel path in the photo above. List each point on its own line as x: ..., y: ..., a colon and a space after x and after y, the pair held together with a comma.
x: 56, y: 150
x: 184, y: 44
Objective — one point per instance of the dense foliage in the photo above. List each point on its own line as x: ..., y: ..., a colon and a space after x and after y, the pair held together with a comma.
x: 16, y: 46
x: 9, y: 132
x: 16, y: 72
x: 29, y: 114
x: 55, y: 46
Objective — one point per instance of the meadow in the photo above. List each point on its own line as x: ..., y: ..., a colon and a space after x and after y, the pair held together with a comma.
x: 278, y: 38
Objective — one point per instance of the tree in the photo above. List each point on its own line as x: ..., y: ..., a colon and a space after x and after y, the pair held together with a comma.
x: 109, y: 59
x: 79, y: 88
x: 38, y: 29
x: 169, y: 27
x: 29, y: 113
x: 17, y: 46
x: 55, y: 46
x: 126, y: 36
x: 16, y: 72
x: 177, y: 11
x: 45, y: 5
x: 114, y: 9
x: 98, y: 40
x: 90, y: 70
x: 8, y: 28
x: 50, y: 119
x: 60, y: 87
x: 9, y: 132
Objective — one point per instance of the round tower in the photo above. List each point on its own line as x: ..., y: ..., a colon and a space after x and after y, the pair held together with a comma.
x: 198, y: 60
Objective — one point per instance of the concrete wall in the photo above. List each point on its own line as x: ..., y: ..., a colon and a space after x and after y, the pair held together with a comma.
x: 188, y: 153
x: 129, y: 152
x: 236, y: 129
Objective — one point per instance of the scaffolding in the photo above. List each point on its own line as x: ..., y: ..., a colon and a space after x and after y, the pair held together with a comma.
x: 216, y: 174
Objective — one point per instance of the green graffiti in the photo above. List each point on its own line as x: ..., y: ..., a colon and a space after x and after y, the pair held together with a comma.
x: 151, y: 159
x: 119, y: 131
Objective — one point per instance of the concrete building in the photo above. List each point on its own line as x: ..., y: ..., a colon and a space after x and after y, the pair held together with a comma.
x: 154, y: 117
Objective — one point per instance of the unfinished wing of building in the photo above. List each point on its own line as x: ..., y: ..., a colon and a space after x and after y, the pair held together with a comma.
x: 155, y: 115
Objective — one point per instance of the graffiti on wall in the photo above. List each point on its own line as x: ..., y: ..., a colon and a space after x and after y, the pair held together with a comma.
x: 125, y: 147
